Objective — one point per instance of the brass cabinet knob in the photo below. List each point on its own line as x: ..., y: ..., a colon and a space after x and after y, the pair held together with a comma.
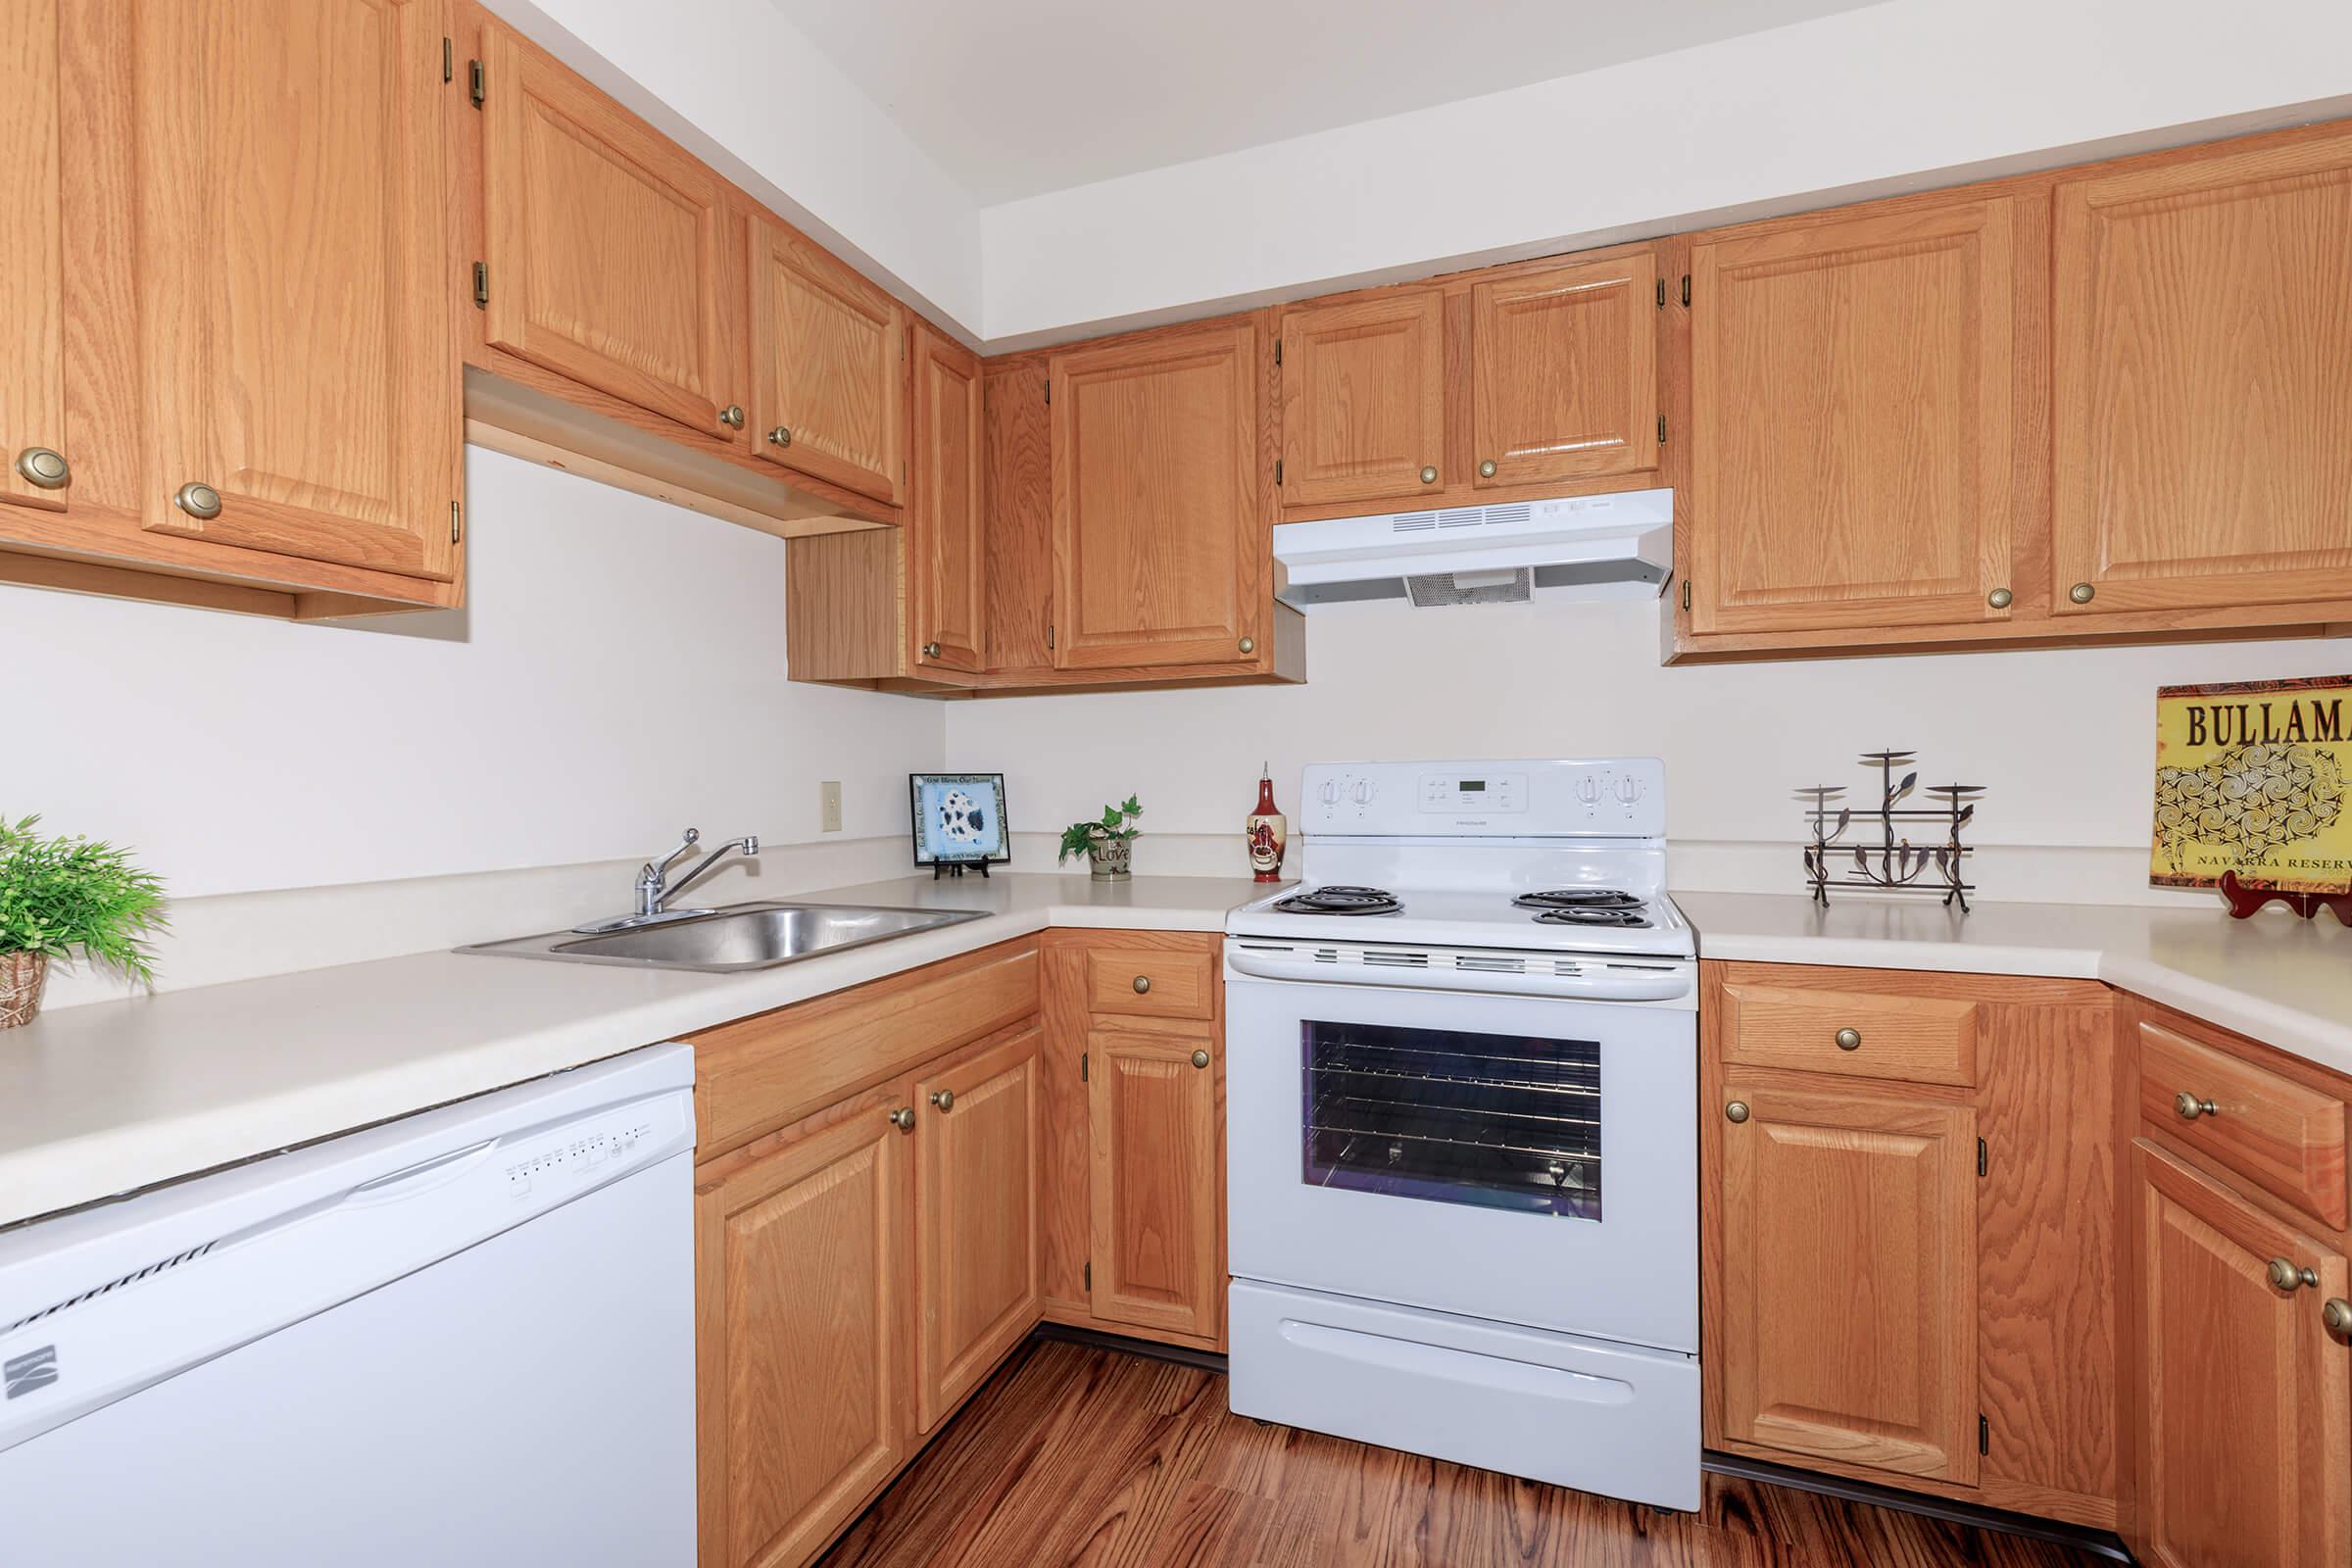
x: 945, y: 1099
x: 197, y: 500
x: 1429, y: 473
x: 1485, y: 470
x: 1249, y: 645
x: 45, y: 467
x: 2000, y: 599
x: 731, y: 416
x: 2192, y: 1107
x: 780, y: 436
x: 1849, y: 1040
x: 2082, y: 592
x: 2337, y: 1316
x: 930, y: 649
x: 2285, y: 1276
x: 1200, y: 1059
x: 902, y: 1118
x: 1736, y: 1110
x: 1143, y: 983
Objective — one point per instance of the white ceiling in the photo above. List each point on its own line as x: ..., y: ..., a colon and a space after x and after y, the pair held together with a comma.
x: 1017, y: 97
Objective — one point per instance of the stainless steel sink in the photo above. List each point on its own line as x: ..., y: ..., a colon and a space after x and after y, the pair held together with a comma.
x: 744, y: 936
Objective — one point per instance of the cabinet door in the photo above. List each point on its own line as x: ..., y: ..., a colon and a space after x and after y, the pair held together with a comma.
x: 1848, y: 1273
x: 801, y: 1306
x: 976, y: 1172
x: 1853, y: 434
x: 298, y: 320
x: 32, y: 374
x: 2203, y: 393
x: 2244, y: 1432
x: 1363, y: 400
x: 947, y: 577
x: 612, y: 257
x: 1565, y: 372
x: 829, y: 366
x: 1160, y: 547
x: 1153, y: 1106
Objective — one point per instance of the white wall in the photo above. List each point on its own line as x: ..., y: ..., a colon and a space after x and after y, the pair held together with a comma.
x: 2063, y: 740
x: 619, y: 674
x: 1860, y: 103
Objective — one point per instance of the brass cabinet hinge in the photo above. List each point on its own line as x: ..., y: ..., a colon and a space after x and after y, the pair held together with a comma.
x: 1278, y: 473
x: 482, y: 286
x: 1686, y: 289
x: 1984, y: 1434
x: 1981, y: 1161
x: 477, y: 87
x: 1661, y: 429
x: 1048, y: 637
x: 1278, y: 351
x: 448, y: 61
x: 1686, y: 593
x: 1661, y: 293
x: 1090, y: 1274
x: 1082, y: 1066
x: 456, y: 523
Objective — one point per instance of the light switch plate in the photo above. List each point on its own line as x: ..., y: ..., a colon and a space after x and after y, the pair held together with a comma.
x: 829, y: 806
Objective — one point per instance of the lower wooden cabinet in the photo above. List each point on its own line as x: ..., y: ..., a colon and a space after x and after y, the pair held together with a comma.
x: 1848, y: 1277
x: 1908, y: 1258
x: 2243, y: 1441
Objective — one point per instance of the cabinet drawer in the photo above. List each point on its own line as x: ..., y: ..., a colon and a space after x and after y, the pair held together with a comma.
x: 1151, y: 983
x: 1859, y: 1034
x: 2270, y: 1129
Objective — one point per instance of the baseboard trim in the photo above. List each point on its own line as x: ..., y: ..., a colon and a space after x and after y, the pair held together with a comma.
x: 1153, y: 1349
x: 2082, y: 1537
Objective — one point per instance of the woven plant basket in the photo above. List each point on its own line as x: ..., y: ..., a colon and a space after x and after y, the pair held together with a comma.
x: 22, y: 978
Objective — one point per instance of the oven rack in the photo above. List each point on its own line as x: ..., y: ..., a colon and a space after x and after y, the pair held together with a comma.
x: 1402, y: 1075
x: 1318, y: 1124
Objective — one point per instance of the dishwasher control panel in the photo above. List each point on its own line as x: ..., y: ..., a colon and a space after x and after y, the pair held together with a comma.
x: 559, y: 1158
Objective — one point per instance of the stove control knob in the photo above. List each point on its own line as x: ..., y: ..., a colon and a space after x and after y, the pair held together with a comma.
x: 1587, y: 790
x: 1329, y: 793
x: 1363, y: 792
x: 1629, y: 790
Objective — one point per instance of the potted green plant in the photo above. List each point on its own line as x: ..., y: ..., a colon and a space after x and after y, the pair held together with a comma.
x: 61, y: 895
x: 1108, y: 841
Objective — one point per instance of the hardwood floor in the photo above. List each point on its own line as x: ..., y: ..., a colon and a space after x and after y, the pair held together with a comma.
x: 1077, y: 1455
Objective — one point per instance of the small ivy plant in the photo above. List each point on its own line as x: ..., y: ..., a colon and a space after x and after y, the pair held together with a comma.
x: 1116, y: 823
x: 61, y: 895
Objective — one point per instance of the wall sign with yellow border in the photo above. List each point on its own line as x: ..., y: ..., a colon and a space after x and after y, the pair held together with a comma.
x: 2250, y: 778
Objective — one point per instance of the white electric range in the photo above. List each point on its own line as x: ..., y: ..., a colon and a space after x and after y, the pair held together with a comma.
x: 1463, y: 1150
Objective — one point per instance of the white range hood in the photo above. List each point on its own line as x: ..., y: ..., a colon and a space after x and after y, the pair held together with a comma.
x: 1581, y: 547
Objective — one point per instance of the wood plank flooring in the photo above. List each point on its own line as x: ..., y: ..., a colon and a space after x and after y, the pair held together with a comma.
x: 1075, y: 1455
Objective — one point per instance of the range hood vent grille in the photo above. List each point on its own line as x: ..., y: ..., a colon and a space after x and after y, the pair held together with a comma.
x: 1618, y: 546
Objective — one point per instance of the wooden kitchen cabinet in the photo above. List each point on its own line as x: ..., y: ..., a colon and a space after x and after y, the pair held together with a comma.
x: 1856, y: 423
x: 2243, y: 1445
x: 1564, y: 374
x: 1909, y: 1254
x: 1848, y: 1225
x: 34, y: 416
x: 1153, y: 1115
x: 1363, y: 398
x: 829, y: 366
x: 612, y: 256
x: 2202, y: 374
x: 804, y: 1311
x: 945, y: 540
x: 1160, y: 546
x: 975, y: 1220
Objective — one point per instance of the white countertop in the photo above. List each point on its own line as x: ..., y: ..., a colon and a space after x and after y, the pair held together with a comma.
x: 2277, y: 979
x: 111, y: 1096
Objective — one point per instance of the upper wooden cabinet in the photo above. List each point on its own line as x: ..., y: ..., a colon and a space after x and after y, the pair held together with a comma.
x: 829, y: 366
x: 293, y: 180
x: 1565, y: 374
x: 946, y: 544
x: 1160, y: 546
x: 612, y: 256
x: 1363, y: 398
x: 33, y: 437
x: 2244, y: 1430
x: 1854, y: 428
x: 2203, y: 379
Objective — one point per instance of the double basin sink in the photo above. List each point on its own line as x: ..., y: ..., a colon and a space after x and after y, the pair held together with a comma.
x: 741, y: 936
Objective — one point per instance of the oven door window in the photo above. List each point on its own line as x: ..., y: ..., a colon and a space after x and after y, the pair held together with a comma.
x: 1501, y: 1122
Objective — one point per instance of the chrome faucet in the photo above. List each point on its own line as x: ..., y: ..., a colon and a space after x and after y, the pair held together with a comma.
x: 654, y: 889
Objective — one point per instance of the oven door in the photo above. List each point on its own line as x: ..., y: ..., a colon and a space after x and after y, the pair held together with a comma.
x: 1527, y: 1159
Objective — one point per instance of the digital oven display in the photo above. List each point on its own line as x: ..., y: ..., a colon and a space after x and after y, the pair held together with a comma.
x: 1474, y: 786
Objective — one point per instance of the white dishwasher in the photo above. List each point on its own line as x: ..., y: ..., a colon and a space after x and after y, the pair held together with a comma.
x: 466, y: 1337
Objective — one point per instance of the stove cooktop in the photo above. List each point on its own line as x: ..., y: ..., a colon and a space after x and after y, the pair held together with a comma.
x: 1339, y: 900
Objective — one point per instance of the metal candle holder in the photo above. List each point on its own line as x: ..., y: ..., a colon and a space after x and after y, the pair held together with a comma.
x: 1894, y: 864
